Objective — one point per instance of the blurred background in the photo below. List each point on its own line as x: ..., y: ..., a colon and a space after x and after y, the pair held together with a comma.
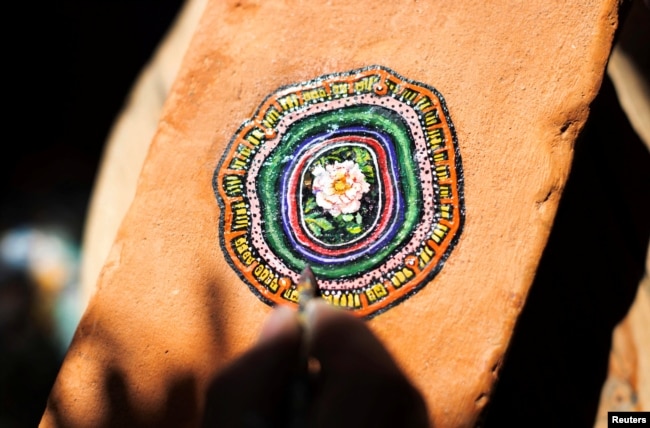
x: 70, y: 66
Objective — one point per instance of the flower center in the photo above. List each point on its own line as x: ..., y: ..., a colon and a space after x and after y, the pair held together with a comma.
x: 341, y: 184
x: 339, y: 187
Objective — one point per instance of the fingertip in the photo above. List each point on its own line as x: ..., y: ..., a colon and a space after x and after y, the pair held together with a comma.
x: 282, y: 321
x: 343, y: 341
x: 318, y: 310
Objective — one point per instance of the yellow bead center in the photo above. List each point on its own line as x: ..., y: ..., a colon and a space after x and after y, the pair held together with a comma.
x: 341, y: 185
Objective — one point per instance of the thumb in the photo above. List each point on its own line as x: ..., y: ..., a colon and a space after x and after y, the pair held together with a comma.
x: 249, y: 391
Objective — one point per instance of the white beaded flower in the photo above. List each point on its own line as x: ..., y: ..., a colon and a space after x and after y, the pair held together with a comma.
x: 339, y: 187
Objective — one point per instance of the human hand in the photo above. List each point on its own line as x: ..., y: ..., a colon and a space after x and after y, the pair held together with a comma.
x: 357, y: 383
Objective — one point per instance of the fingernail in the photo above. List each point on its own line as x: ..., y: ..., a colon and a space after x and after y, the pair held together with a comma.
x: 310, y: 311
x: 280, y: 319
x: 317, y: 308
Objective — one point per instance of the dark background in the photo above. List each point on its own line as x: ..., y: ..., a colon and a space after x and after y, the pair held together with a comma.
x: 70, y: 65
